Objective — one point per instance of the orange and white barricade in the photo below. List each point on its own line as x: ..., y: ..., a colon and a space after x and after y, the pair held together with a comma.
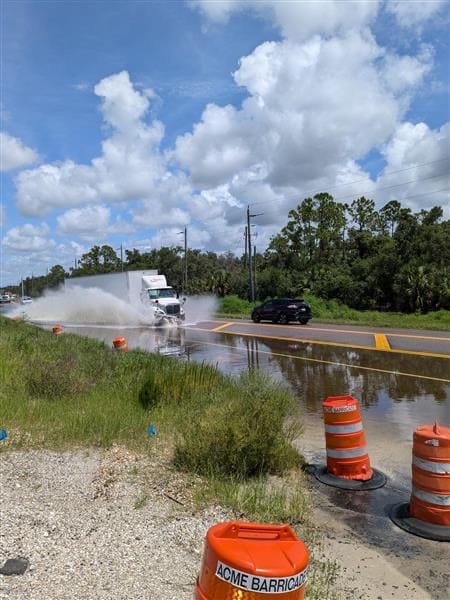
x: 348, y: 463
x: 428, y: 512
x: 251, y: 561
x: 120, y: 343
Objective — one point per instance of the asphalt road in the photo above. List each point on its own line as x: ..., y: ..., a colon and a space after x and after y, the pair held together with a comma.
x: 433, y: 344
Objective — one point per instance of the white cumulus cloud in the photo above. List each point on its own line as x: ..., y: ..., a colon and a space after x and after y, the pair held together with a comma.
x: 313, y: 109
x: 422, y: 156
x: 14, y: 154
x: 296, y: 20
x: 91, y: 223
x: 85, y: 221
x: 129, y: 167
x: 410, y: 13
x: 29, y: 238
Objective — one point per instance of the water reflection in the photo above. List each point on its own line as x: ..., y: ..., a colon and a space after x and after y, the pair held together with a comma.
x: 169, y: 341
x: 335, y: 370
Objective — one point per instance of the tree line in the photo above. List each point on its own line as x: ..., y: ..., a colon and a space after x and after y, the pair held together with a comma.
x: 388, y: 259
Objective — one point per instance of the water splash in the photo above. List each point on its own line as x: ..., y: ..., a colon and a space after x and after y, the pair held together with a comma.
x: 200, y: 308
x: 88, y: 306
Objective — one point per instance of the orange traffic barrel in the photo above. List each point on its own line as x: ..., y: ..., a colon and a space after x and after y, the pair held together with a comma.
x: 428, y: 512
x: 250, y: 561
x: 120, y: 343
x: 348, y: 463
x: 57, y: 329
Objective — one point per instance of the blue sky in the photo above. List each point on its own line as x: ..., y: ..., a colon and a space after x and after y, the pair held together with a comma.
x: 123, y: 122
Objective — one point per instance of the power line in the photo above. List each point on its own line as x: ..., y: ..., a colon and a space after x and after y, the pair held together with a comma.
x: 388, y: 187
x: 339, y: 185
x: 426, y: 193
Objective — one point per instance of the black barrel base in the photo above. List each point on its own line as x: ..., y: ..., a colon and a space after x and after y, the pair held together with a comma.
x: 377, y: 480
x: 400, y: 515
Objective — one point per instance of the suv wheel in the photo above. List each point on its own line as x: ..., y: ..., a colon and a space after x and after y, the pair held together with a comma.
x: 282, y: 319
x: 303, y: 321
x: 256, y: 318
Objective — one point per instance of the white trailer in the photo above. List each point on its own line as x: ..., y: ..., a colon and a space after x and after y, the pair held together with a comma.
x: 146, y: 287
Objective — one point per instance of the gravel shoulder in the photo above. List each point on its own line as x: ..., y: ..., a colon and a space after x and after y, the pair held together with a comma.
x: 101, y: 524
x: 91, y: 528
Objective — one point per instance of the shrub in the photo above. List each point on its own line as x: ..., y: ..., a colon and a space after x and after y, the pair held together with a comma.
x: 242, y: 431
x: 235, y: 305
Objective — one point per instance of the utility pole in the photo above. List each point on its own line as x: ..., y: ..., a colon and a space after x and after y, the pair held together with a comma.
x: 121, y: 255
x: 185, y: 270
x: 249, y: 246
x: 254, y: 270
x: 185, y: 260
x: 245, y: 245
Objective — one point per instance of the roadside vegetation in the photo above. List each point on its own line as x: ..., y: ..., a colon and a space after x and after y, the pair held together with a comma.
x: 333, y: 311
x: 232, y: 439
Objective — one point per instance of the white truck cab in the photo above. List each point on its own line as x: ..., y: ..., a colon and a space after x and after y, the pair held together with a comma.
x: 162, y: 297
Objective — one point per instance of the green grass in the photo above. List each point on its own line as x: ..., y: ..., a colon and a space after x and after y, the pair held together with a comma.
x: 332, y: 311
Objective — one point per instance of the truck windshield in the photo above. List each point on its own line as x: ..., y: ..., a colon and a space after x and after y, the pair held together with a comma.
x: 161, y: 293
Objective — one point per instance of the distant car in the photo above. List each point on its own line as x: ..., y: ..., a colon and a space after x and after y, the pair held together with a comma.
x: 283, y: 310
x: 5, y: 299
x: 26, y: 300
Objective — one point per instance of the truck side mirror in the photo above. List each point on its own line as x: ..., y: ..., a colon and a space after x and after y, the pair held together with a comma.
x: 156, y: 301
x: 184, y: 300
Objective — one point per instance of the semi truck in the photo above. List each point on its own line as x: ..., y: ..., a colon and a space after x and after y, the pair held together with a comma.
x: 146, y: 288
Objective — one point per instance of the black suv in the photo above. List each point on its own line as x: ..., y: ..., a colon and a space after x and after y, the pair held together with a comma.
x: 282, y: 310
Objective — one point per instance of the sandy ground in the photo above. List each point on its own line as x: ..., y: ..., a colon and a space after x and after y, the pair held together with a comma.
x: 99, y: 525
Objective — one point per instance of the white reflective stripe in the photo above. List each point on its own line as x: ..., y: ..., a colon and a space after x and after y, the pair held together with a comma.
x: 344, y: 428
x: 440, y: 499
x: 339, y: 409
x: 346, y: 453
x: 432, y: 467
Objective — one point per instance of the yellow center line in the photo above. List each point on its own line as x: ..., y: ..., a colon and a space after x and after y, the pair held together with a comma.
x: 326, y: 362
x: 357, y: 332
x: 221, y: 327
x: 320, y: 342
x: 381, y: 342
